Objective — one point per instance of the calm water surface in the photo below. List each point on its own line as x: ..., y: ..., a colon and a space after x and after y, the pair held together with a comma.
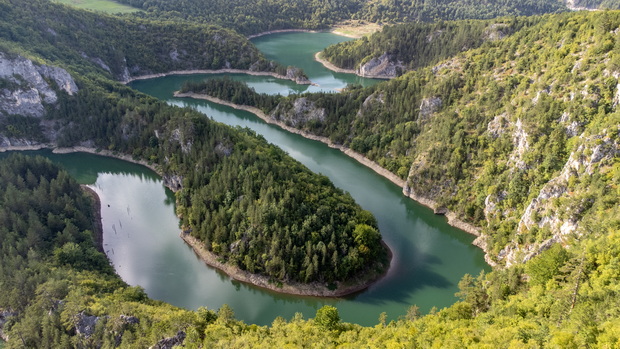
x: 141, y: 229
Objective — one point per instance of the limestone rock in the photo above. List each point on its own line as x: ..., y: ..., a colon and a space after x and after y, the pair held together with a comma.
x: 381, y: 67
x: 28, y: 88
x: 170, y: 342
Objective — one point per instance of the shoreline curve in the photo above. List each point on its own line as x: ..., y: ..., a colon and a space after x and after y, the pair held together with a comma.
x: 452, y: 218
x: 299, y: 289
x: 314, y: 289
x: 212, y: 71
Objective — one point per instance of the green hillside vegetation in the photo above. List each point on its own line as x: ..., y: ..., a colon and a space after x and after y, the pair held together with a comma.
x: 56, y: 283
x: 260, y: 16
x: 108, y: 6
x: 417, y: 45
x: 119, y: 47
x: 249, y: 202
x: 502, y: 135
x: 598, y: 4
x: 520, y: 137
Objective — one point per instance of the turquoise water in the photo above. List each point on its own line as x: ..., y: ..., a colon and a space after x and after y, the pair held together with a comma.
x: 141, y: 228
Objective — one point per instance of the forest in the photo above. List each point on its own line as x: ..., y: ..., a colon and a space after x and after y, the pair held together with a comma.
x: 261, y: 16
x: 55, y: 282
x: 119, y: 47
x: 490, y: 132
x: 415, y: 45
x: 249, y: 202
x: 518, y: 136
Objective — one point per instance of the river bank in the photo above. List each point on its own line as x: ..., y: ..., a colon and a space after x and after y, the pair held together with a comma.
x: 97, y: 219
x: 452, y: 217
x: 216, y: 71
x: 330, y: 66
x: 314, y: 289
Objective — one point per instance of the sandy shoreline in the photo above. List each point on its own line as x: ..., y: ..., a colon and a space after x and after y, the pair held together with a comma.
x: 330, y: 66
x: 451, y: 217
x: 209, y: 71
x: 314, y: 289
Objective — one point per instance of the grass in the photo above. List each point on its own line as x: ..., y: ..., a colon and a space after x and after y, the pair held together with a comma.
x: 108, y: 6
x: 356, y: 29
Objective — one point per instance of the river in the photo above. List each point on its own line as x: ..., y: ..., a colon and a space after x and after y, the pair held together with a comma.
x: 141, y: 229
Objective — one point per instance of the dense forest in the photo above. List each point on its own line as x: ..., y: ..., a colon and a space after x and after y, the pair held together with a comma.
x: 261, y: 16
x: 416, y: 45
x: 503, y: 135
x: 122, y: 48
x: 519, y: 136
x: 249, y: 202
x: 59, y: 292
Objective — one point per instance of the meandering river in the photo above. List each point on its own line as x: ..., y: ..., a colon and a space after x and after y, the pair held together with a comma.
x: 141, y: 229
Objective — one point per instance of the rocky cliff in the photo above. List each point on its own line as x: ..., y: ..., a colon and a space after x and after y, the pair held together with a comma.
x: 26, y: 90
x: 382, y: 67
x: 27, y: 87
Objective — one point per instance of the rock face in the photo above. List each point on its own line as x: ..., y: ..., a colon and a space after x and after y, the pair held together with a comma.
x: 296, y: 75
x: 560, y: 221
x: 85, y: 324
x: 170, y: 342
x: 27, y: 87
x: 301, y: 113
x: 429, y: 106
x: 4, y: 317
x: 382, y: 67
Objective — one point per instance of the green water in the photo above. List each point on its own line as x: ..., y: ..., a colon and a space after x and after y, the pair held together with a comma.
x: 141, y: 229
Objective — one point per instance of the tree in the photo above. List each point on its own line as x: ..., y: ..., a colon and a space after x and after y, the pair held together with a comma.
x: 327, y: 317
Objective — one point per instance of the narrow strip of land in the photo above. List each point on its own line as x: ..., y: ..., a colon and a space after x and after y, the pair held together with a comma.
x: 452, y: 217
x: 332, y: 67
x: 209, y: 71
x: 294, y: 288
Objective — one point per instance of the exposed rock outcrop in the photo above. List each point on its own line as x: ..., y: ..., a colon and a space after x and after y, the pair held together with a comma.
x: 428, y: 106
x: 561, y: 220
x: 85, y: 324
x: 28, y: 87
x: 297, y: 75
x: 5, y: 315
x: 303, y: 111
x: 382, y: 67
x: 170, y: 342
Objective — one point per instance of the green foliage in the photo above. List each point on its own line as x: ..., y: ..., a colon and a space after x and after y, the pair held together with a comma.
x: 260, y: 16
x: 121, y: 47
x: 327, y: 317
x: 547, y: 266
x: 483, y: 132
x: 415, y: 45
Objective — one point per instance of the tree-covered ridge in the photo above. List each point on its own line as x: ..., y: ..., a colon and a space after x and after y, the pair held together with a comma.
x: 122, y: 47
x: 252, y: 204
x: 54, y: 298
x: 249, y: 202
x: 416, y: 45
x: 518, y: 137
x: 260, y: 16
x: 596, y: 4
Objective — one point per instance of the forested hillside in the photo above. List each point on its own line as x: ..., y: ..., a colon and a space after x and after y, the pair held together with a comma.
x: 518, y: 137
x: 122, y: 48
x: 250, y: 204
x: 58, y: 292
x: 415, y: 45
x: 260, y: 16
